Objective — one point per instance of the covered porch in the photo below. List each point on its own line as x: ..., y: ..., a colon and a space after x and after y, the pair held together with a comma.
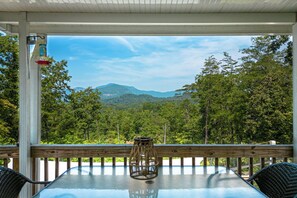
x: 178, y: 17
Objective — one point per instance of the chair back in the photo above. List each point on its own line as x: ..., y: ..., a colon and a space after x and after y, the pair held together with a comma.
x: 278, y: 180
x: 11, y: 183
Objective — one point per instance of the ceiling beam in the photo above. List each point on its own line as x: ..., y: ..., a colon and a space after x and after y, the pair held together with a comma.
x: 159, y: 29
x: 10, y: 17
x: 153, y: 24
x: 151, y: 19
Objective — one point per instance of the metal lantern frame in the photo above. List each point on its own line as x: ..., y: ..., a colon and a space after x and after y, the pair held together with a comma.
x: 143, y: 163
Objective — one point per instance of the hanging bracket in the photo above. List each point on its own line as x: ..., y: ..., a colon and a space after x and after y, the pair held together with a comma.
x: 31, y: 40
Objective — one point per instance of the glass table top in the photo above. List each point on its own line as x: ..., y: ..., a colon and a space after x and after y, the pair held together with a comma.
x: 176, y: 181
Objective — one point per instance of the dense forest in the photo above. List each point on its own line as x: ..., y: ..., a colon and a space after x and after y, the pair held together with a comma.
x: 247, y: 100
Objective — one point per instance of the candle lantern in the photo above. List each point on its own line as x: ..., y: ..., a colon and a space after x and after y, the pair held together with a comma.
x: 143, y: 162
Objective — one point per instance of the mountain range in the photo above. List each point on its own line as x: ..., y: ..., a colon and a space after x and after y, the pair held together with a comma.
x: 113, y: 90
x: 124, y: 96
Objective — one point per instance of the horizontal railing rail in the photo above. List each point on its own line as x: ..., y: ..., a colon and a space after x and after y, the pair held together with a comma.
x: 168, y: 150
x: 9, y: 153
x: 244, y: 159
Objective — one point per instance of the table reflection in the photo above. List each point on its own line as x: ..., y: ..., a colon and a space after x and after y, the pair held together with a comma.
x: 172, y: 182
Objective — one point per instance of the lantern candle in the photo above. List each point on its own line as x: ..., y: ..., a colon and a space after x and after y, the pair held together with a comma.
x: 143, y: 162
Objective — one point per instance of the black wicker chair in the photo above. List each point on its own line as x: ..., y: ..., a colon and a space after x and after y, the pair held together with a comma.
x: 277, y: 180
x: 12, y: 182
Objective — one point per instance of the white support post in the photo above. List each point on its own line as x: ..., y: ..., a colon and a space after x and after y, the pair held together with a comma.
x: 24, y: 102
x: 294, y: 92
x: 35, y: 99
x: 35, y: 87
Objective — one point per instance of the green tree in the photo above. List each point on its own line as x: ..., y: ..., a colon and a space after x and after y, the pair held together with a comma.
x: 267, y: 82
x: 247, y: 102
x: 125, y: 125
x: 54, y: 95
x: 7, y: 110
x: 9, y: 89
x: 278, y: 47
x: 207, y: 91
x: 232, y: 102
x: 86, y: 107
x: 189, y: 131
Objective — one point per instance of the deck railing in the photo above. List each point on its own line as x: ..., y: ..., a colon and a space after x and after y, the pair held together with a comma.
x: 244, y: 159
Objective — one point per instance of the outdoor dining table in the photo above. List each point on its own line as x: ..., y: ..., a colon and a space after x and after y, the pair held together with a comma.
x: 171, y: 182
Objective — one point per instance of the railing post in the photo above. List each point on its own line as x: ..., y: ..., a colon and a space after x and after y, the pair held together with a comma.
x: 251, y: 166
x: 216, y: 162
x: 204, y: 161
x: 68, y: 163
x: 91, y: 161
x: 113, y: 161
x: 228, y: 163
x: 160, y: 160
x: 170, y: 161
x: 45, y: 169
x: 15, y: 165
x: 193, y: 161
x: 125, y: 161
x: 239, y: 164
x: 262, y: 162
x: 57, y: 167
x: 272, y: 160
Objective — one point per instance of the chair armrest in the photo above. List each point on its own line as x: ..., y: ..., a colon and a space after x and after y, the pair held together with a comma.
x: 39, y: 182
x: 250, y: 179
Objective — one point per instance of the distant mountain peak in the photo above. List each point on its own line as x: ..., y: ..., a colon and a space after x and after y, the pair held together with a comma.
x: 113, y: 90
x: 109, y: 84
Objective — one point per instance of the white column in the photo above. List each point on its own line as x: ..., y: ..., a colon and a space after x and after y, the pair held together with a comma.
x: 35, y: 89
x: 35, y: 101
x: 24, y: 102
x: 295, y: 92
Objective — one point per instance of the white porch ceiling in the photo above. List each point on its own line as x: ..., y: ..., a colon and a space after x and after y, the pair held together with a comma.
x: 149, y: 6
x: 150, y: 17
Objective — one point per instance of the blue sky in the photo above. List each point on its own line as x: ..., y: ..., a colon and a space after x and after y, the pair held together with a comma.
x: 161, y: 63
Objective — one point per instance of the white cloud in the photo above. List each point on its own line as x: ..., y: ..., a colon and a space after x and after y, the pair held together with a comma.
x: 162, y: 63
x: 79, y: 50
x: 125, y: 42
x: 71, y: 58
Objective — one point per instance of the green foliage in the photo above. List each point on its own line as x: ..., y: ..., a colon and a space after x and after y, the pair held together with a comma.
x: 267, y: 84
x: 8, y: 90
x: 54, y: 88
x: 231, y: 101
x: 68, y: 117
x: 9, y: 111
x: 85, y: 107
x: 248, y: 102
